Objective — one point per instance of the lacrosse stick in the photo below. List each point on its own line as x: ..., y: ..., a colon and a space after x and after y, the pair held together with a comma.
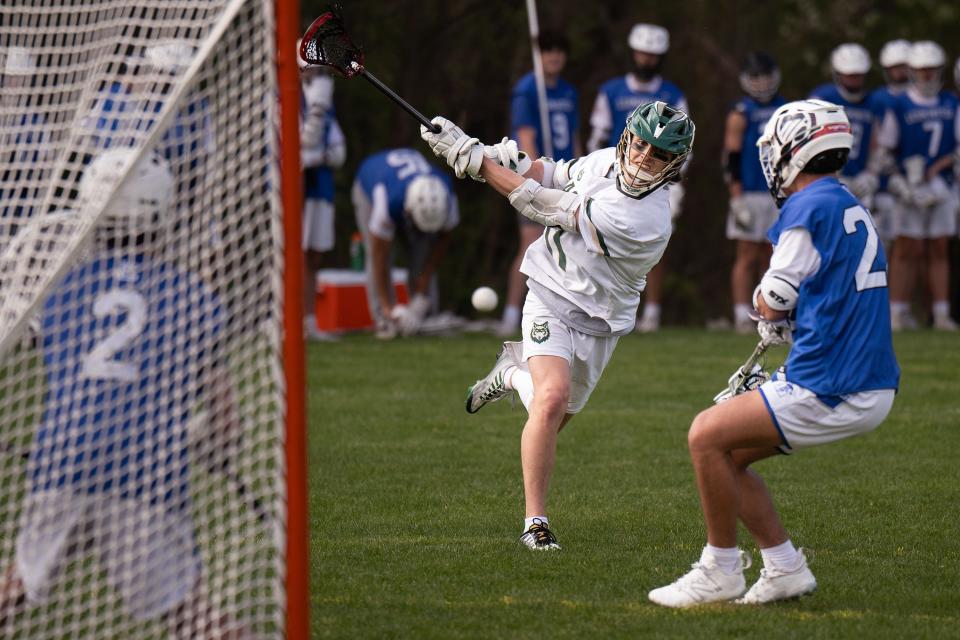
x: 748, y: 377
x: 327, y: 43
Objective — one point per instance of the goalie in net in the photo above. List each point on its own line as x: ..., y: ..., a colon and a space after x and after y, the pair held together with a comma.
x: 142, y: 490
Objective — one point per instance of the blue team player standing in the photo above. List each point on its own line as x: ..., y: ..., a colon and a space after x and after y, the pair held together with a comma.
x: 398, y: 192
x: 920, y: 131
x: 615, y: 101
x: 751, y: 211
x: 850, y: 64
x: 526, y: 129
x: 829, y: 272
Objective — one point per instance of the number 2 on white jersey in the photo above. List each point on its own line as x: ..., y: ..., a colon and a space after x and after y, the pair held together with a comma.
x: 100, y: 363
x: 866, y: 279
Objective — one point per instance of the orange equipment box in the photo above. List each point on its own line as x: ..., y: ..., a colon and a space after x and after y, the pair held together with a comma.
x: 342, y: 298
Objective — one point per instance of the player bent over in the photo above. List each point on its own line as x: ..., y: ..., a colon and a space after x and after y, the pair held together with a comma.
x: 828, y: 269
x: 130, y: 345
x: 607, y: 219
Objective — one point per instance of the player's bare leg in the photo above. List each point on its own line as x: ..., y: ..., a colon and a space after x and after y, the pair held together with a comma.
x: 312, y: 261
x: 197, y: 617
x: 517, y: 283
x: 751, y: 259
x: 938, y: 273
x: 13, y: 595
x: 757, y: 511
x: 907, y: 255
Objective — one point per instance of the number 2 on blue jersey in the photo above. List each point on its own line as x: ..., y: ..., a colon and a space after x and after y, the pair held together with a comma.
x: 866, y: 279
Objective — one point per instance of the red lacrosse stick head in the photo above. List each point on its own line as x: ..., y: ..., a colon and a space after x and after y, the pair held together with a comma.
x: 326, y: 42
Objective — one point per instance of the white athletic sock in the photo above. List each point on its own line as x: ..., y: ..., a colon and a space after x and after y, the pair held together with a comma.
x: 522, y: 382
x: 651, y: 311
x: 727, y: 559
x: 783, y: 556
x: 898, y: 308
x: 511, y: 316
x: 529, y: 521
x: 941, y: 309
x: 741, y: 313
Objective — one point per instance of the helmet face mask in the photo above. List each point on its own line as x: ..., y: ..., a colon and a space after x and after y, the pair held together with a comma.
x: 850, y: 64
x: 760, y: 77
x: 653, y: 147
x: 926, y: 61
x: 797, y: 133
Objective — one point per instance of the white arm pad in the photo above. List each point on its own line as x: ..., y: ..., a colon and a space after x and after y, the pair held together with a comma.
x: 549, y: 166
x: 777, y: 293
x: 549, y: 207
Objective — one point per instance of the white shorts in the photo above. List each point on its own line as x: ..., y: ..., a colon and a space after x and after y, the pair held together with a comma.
x: 939, y: 221
x: 318, y: 230
x: 804, y: 420
x: 764, y: 212
x: 883, y: 212
x: 148, y: 553
x: 545, y: 335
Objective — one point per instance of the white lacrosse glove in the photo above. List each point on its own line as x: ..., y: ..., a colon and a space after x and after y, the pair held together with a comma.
x: 742, y: 216
x: 864, y: 185
x: 675, y: 196
x: 410, y: 317
x: 775, y: 333
x: 931, y: 193
x: 899, y: 188
x: 508, y: 155
x: 463, y: 153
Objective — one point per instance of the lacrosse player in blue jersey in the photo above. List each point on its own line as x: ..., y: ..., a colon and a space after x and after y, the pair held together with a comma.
x: 322, y: 149
x: 563, y: 119
x: 616, y: 101
x: 828, y: 274
x: 128, y: 343
x: 398, y: 192
x: 850, y: 64
x: 751, y: 211
x: 920, y: 131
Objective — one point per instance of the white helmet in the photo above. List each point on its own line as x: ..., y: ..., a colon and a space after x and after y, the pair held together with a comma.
x: 143, y: 202
x: 649, y: 38
x: 927, y: 54
x: 850, y: 59
x: 894, y: 53
x: 170, y: 56
x: 797, y: 133
x: 426, y: 201
x: 19, y: 62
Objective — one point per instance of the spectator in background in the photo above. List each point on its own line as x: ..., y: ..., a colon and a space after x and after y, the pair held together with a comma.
x: 752, y: 212
x: 850, y: 64
x: 322, y: 149
x: 894, y: 57
x: 526, y: 129
x: 920, y: 132
x: 615, y: 102
x: 398, y: 191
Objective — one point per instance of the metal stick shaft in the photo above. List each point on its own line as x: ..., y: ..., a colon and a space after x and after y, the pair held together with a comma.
x: 400, y: 101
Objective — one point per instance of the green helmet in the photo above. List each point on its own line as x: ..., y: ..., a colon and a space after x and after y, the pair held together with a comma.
x: 669, y: 132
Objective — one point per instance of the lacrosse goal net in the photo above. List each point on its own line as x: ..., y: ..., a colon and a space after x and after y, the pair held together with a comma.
x: 148, y: 382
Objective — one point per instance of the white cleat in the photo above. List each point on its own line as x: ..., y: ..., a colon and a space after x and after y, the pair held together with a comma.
x: 704, y: 584
x: 775, y: 584
x: 493, y: 387
x: 944, y: 323
x: 647, y: 325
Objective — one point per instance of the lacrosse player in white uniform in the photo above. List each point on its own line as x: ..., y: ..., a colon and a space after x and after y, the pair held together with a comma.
x: 607, y: 224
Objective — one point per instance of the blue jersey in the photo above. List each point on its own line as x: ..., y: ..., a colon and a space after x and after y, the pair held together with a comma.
x: 395, y: 169
x: 926, y: 130
x: 623, y: 100
x: 118, y: 114
x: 125, y: 345
x: 863, y: 116
x: 756, y: 115
x: 562, y: 110
x: 842, y: 342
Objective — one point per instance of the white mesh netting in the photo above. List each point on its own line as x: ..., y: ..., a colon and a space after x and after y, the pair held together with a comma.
x: 141, y: 403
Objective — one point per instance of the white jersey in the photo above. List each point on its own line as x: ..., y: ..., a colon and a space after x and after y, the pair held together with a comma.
x: 602, y: 268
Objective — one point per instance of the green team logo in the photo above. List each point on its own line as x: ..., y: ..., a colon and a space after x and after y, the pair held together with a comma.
x: 540, y: 332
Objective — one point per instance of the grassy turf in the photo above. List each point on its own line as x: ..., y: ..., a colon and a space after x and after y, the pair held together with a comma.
x: 416, y: 506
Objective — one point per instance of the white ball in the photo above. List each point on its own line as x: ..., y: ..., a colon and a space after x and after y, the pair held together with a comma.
x: 484, y: 299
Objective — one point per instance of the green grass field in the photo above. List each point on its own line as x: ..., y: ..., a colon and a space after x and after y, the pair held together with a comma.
x: 416, y: 507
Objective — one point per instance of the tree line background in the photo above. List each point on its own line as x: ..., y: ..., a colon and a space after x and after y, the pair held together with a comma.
x: 461, y: 58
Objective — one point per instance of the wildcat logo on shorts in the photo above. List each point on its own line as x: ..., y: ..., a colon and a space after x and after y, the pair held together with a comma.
x: 540, y: 332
